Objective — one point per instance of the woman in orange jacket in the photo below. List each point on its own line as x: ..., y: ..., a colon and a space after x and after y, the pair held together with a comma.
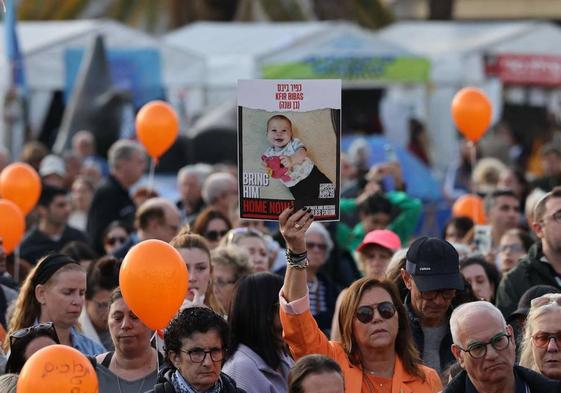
x: 376, y: 351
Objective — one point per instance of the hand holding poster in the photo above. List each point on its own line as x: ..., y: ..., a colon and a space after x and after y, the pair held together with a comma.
x: 289, y: 144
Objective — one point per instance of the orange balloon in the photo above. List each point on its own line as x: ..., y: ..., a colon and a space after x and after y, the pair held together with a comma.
x: 470, y: 206
x: 12, y: 225
x: 21, y: 184
x: 157, y: 126
x: 57, y: 368
x: 472, y: 112
x: 154, y: 282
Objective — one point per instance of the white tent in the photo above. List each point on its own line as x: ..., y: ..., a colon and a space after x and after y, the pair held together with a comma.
x: 457, y: 51
x: 43, y: 45
x: 232, y: 50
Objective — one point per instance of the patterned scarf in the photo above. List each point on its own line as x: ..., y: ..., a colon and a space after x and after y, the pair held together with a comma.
x: 182, y: 386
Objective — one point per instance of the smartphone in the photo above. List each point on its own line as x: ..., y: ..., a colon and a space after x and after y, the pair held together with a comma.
x: 482, y: 238
x: 390, y: 153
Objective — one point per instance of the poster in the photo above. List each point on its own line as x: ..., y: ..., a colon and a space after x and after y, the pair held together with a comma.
x: 289, y: 147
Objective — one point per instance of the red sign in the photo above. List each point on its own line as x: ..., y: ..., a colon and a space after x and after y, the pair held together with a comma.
x: 525, y: 69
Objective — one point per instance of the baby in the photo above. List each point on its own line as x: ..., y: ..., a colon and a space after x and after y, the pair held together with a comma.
x: 302, y: 176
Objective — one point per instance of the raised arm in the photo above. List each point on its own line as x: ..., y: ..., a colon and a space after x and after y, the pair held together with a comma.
x: 293, y: 226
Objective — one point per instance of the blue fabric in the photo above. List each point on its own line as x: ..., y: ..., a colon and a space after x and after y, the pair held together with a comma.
x: 182, y: 386
x: 13, y: 53
x: 85, y: 345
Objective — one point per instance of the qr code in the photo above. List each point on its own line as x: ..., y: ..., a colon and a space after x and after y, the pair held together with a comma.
x: 326, y: 190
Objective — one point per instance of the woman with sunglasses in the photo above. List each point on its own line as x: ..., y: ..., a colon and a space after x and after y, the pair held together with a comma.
x: 25, y: 342
x: 102, y: 279
x: 376, y: 351
x: 54, y: 292
x: 260, y: 361
x: 212, y: 225
x: 541, y: 345
x: 115, y: 235
x: 133, y: 366
x: 196, y: 254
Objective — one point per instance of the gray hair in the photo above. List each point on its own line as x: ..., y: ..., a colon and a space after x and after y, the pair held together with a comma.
x: 201, y: 171
x: 319, y: 229
x: 467, y: 310
x: 548, y: 303
x: 215, y: 185
x: 122, y: 150
x: 233, y: 256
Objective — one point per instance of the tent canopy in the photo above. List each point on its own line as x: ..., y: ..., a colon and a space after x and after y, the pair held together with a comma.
x: 44, y: 45
x: 350, y: 53
x: 231, y: 49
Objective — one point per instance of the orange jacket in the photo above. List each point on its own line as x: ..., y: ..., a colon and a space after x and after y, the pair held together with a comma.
x: 304, y: 338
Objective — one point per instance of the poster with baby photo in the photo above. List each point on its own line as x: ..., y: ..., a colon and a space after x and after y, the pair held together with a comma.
x: 288, y: 147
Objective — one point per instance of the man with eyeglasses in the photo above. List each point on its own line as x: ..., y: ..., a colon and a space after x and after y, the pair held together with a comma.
x: 542, y: 265
x: 484, y: 347
x: 432, y: 276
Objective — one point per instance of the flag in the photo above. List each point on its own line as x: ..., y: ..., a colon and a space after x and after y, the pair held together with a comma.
x: 13, y: 53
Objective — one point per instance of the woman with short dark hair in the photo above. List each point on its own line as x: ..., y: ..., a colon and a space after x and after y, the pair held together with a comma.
x: 196, y: 344
x: 259, y: 362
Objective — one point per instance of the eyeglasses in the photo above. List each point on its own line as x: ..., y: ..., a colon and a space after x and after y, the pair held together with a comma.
x: 222, y: 283
x: 198, y: 355
x: 235, y: 234
x: 365, y: 314
x: 215, y: 235
x: 447, y: 294
x: 319, y: 246
x: 101, y: 306
x: 541, y: 340
x: 111, y: 241
x: 511, y: 248
x: 478, y: 350
x: 41, y: 329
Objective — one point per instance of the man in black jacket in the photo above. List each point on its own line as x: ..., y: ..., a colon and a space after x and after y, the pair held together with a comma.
x: 111, y: 201
x: 542, y: 265
x: 432, y: 277
x: 484, y: 347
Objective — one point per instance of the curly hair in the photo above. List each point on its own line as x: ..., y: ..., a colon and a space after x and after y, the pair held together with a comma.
x: 194, y: 320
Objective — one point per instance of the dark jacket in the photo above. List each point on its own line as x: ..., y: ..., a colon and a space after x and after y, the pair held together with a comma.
x: 536, y: 382
x: 446, y: 356
x: 163, y: 385
x: 324, y: 318
x: 111, y: 202
x: 530, y: 271
x: 37, y: 244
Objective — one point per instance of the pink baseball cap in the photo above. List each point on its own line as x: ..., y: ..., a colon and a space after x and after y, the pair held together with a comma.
x: 381, y: 237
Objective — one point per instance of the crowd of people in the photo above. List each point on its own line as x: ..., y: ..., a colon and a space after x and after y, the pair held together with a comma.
x: 365, y: 304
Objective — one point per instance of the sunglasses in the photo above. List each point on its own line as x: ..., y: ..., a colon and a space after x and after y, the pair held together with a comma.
x: 365, y: 314
x: 541, y: 340
x: 215, y: 235
x: 319, y: 246
x: 111, y: 241
x: 41, y: 329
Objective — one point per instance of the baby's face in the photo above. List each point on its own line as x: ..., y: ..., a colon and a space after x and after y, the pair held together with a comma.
x: 279, y: 132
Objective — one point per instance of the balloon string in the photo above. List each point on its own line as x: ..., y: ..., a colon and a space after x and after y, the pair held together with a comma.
x: 473, y: 159
x: 16, y: 264
x: 157, y: 350
x: 151, y: 174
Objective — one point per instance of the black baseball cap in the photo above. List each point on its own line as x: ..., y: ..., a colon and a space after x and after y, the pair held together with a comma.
x: 434, y: 264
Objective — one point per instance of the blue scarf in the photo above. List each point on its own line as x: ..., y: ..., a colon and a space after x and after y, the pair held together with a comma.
x: 182, y: 386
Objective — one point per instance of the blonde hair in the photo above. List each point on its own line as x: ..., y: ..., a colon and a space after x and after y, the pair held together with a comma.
x: 27, y: 308
x: 186, y: 239
x: 542, y: 305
